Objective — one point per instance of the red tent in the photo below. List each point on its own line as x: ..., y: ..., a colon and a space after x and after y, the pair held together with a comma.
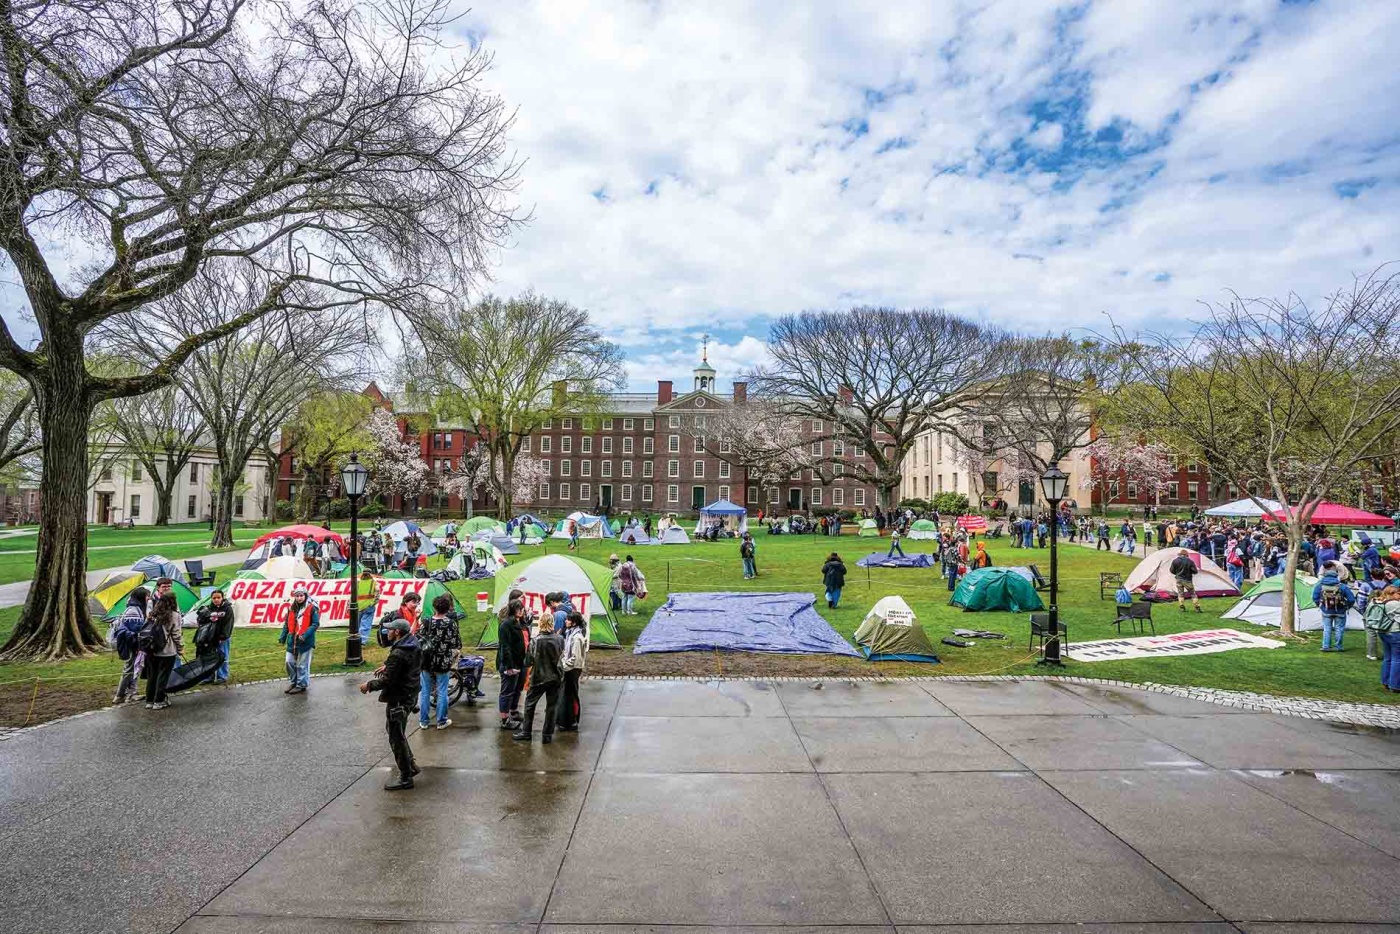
x: 302, y: 531
x: 1336, y: 514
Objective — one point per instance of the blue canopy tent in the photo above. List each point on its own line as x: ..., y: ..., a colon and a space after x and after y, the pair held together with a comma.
x: 723, y: 512
x: 781, y: 623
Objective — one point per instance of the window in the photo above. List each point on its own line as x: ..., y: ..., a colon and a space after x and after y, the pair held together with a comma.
x: 699, y: 445
x: 817, y: 448
x: 547, y: 467
x: 607, y: 468
x: 1190, y: 468
x: 675, y: 421
x: 566, y: 445
x: 238, y: 506
x: 627, y: 424
x: 585, y: 445
x: 724, y: 492
x: 673, y: 468
x: 563, y: 491
x: 724, y: 470
x: 646, y: 468
x: 544, y: 490
x: 627, y: 492
x: 1132, y: 490
x: 838, y: 470
x: 194, y: 473
x: 447, y: 440
x: 816, y: 426
x: 648, y: 446
x: 648, y: 424
x: 585, y: 469
x: 955, y: 481
x: 940, y: 483
x: 838, y: 448
x: 626, y: 445
x: 700, y: 422
x: 548, y: 423
x: 135, y: 511
x: 566, y: 468
x: 437, y: 441
x: 626, y: 469
x: 607, y: 445
x: 860, y: 498
x: 192, y: 507
x: 607, y: 424
x: 585, y: 492
x: 699, y: 470
x: 726, y: 447
x: 646, y: 492
x: 107, y: 474
x: 838, y: 497
x: 751, y: 494
x: 773, y: 497
x: 525, y: 445
x: 673, y: 494
x: 546, y: 444
x: 816, y: 496
x: 1192, y: 491
x: 673, y: 444
x: 568, y: 424
x: 135, y: 471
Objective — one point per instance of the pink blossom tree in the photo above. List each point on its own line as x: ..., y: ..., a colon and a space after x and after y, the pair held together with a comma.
x: 1116, y: 459
x: 395, y: 465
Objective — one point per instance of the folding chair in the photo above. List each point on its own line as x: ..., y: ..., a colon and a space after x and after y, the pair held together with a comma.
x: 1109, y: 582
x: 1138, y: 615
x: 1041, y: 630
x: 195, y: 571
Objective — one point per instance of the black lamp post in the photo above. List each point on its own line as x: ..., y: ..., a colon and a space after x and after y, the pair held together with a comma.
x: 353, y: 478
x: 1054, y: 483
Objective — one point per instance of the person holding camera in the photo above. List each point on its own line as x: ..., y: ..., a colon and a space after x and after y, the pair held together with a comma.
x: 397, y: 684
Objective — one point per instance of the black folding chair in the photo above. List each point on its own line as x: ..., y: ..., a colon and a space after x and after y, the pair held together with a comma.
x: 1038, y: 579
x: 1041, y: 630
x: 195, y: 571
x: 1138, y: 615
x: 1109, y: 582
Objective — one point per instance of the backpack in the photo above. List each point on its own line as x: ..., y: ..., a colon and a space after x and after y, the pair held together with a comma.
x: 151, y: 638
x: 1377, y: 619
x: 1333, y: 602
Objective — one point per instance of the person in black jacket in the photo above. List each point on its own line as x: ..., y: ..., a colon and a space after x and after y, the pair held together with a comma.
x: 1184, y: 570
x: 510, y: 660
x: 546, y: 678
x: 397, y: 684
x: 833, y: 579
x: 218, y: 613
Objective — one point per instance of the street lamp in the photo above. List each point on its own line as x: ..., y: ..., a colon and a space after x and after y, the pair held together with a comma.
x: 1054, y: 483
x: 353, y: 479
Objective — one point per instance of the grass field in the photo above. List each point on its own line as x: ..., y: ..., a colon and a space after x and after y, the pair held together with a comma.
x: 113, y: 548
x: 793, y: 564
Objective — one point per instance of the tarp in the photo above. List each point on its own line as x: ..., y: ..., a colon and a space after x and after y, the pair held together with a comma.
x: 781, y: 623
x: 1244, y: 509
x: 1337, y: 514
x: 156, y: 566
x: 1153, y: 574
x: 878, y: 559
x: 868, y: 528
x: 922, y: 530
x: 1263, y: 605
x: 890, y: 632
x: 586, y: 583
x: 303, y: 531
x: 996, y: 589
x: 480, y: 524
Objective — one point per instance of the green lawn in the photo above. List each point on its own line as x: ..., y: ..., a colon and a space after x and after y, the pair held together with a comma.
x: 793, y: 564
x: 112, y: 548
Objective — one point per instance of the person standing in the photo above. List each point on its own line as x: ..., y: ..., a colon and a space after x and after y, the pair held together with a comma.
x: 440, y: 642
x: 632, y: 582
x: 951, y: 562
x: 299, y: 625
x: 1184, y: 570
x: 1334, y: 598
x: 123, y: 639
x: 572, y: 529
x: 981, y: 559
x: 311, y: 553
x: 746, y: 554
x: 510, y: 659
x: 164, y: 646
x: 218, y: 612
x: 1384, y: 617
x: 545, y: 654
x: 396, y: 683
x: 833, y: 579
x: 1102, y: 544
x: 574, y: 661
x: 894, y: 543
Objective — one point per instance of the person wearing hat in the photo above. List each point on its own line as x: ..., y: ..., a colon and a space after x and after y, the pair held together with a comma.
x: 397, y: 683
x: 299, y: 627
x: 1184, y: 570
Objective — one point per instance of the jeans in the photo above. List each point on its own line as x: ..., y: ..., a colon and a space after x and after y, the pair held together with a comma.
x: 952, y: 580
x: 550, y: 692
x: 366, y: 623
x: 430, y: 684
x: 158, y: 668
x: 221, y: 673
x: 1236, y: 575
x: 894, y: 546
x: 510, y: 692
x: 629, y: 600
x: 750, y: 568
x: 833, y: 597
x: 396, y: 725
x: 1332, y: 629
x: 1028, y: 540
x: 1390, y: 660
x: 299, y: 668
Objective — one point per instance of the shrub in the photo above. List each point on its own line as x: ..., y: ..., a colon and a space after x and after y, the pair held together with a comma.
x: 282, y: 510
x: 950, y: 504
x: 916, y: 504
x: 338, y: 509
x: 372, y: 511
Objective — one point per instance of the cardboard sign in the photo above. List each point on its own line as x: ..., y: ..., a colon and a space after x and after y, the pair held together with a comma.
x: 264, y: 603
x: 1198, y: 642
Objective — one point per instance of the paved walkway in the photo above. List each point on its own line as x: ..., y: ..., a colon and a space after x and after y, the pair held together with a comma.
x: 15, y: 594
x: 976, y: 806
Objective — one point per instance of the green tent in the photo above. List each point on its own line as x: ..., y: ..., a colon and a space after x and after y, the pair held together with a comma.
x: 481, y: 524
x: 616, y: 526
x: 922, y: 530
x: 586, y: 581
x: 996, y: 589
x: 185, y: 598
x: 890, y: 633
x: 868, y: 528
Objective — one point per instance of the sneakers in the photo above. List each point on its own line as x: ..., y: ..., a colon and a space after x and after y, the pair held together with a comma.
x: 160, y: 706
x: 546, y: 739
x: 401, y: 784
x: 299, y: 689
x: 422, y: 724
x: 149, y: 705
x: 520, y: 737
x: 444, y: 724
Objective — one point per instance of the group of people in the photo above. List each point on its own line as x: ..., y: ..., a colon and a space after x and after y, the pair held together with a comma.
x: 626, y: 586
x: 540, y: 657
x: 149, y: 639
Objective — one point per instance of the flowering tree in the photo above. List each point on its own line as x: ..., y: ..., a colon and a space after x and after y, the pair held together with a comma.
x: 978, y: 461
x: 763, y: 439
x: 1113, y: 459
x: 396, y: 468
x: 476, y: 469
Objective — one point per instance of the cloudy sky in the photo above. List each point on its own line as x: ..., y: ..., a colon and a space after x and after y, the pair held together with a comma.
x: 705, y: 166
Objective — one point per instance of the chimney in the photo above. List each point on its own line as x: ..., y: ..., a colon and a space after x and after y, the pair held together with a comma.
x: 847, y: 396
x: 561, y: 389
x: 741, y: 391
x: 663, y: 391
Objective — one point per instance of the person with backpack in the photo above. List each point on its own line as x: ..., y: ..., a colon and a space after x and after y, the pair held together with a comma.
x: 833, y: 579
x: 545, y: 654
x: 123, y: 638
x: 746, y: 554
x: 1374, y: 582
x: 397, y: 682
x: 510, y: 658
x: 951, y: 563
x: 215, y: 626
x: 162, y: 642
x: 440, y: 641
x: 1383, y: 616
x: 299, y: 625
x: 574, y: 661
x: 1334, y: 598
x: 631, y: 581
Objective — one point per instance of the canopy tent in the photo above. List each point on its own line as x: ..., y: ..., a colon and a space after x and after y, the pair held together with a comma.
x: 1337, y: 514
x: 1263, y: 605
x: 588, y: 526
x: 878, y: 559
x: 782, y: 623
x: 996, y: 589
x: 675, y: 535
x: 156, y: 566
x: 112, y: 591
x: 1153, y: 574
x: 972, y: 524
x: 723, y: 513
x: 891, y: 633
x: 869, y: 528
x: 1244, y: 509
x: 481, y: 524
x: 303, y: 531
x: 632, y: 535
x: 922, y: 530
x: 586, y: 583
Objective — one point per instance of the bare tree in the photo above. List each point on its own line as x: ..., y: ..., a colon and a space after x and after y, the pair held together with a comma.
x: 316, y: 142
x: 504, y: 367
x: 1275, y: 394
x: 761, y: 437
x: 878, y: 377
x: 19, y: 431
x: 160, y: 431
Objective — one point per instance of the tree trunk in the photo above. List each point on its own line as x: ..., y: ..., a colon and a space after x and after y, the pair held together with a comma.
x: 55, y: 622
x: 164, y: 494
x: 223, y: 509
x: 1288, y: 616
x: 306, y: 496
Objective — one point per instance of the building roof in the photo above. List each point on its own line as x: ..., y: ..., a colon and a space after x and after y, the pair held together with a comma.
x: 631, y: 403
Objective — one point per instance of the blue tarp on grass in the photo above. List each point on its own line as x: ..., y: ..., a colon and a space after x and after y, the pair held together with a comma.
x: 878, y: 559
x: 782, y: 623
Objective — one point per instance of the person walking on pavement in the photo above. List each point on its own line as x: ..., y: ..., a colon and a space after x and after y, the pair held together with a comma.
x: 397, y: 683
x: 746, y: 554
x: 168, y: 645
x: 1184, y: 570
x: 510, y: 660
x: 574, y: 661
x: 833, y: 579
x: 546, y: 676
x: 440, y: 642
x: 299, y: 625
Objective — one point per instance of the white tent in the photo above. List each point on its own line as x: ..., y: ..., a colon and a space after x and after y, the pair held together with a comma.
x: 632, y: 535
x: 675, y: 535
x: 588, y: 526
x: 1244, y: 509
x: 1263, y: 606
x: 402, y: 531
x: 285, y: 567
x: 725, y: 514
x: 1153, y: 574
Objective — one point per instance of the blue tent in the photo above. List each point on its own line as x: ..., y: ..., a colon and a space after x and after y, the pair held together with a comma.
x: 525, y: 517
x: 782, y: 623
x: 879, y: 559
x: 723, y: 512
x: 157, y: 566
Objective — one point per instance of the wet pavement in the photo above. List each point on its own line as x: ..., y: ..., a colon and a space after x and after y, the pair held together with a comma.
x: 921, y: 808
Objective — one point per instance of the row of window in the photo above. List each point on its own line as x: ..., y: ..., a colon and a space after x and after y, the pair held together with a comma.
x: 138, y: 475
x: 191, y: 507
x: 698, y: 494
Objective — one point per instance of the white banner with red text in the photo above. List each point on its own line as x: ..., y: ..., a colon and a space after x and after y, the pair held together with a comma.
x: 1197, y: 642
x: 263, y: 603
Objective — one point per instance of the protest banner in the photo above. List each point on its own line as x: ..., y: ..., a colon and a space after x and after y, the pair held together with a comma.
x: 1197, y: 642
x: 263, y: 603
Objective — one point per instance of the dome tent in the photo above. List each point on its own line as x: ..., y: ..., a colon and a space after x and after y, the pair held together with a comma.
x: 1263, y: 605
x: 157, y: 566
x: 481, y: 524
x: 996, y: 589
x: 922, y: 530
x: 588, y: 526
x: 112, y: 591
x: 586, y: 582
x: 890, y: 632
x: 868, y: 528
x: 675, y: 535
x: 1153, y: 574
x: 632, y: 535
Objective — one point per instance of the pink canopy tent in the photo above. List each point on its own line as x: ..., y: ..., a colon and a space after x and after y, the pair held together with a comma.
x: 1337, y: 514
x: 302, y: 531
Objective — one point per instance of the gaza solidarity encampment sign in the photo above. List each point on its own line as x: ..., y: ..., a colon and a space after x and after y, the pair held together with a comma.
x: 1198, y: 642
x: 264, y: 602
